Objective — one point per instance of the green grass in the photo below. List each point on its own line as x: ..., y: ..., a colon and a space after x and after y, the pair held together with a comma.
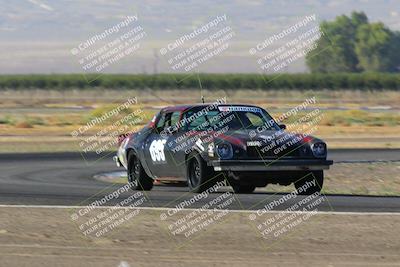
x: 330, y: 118
x: 8, y: 120
x: 353, y: 118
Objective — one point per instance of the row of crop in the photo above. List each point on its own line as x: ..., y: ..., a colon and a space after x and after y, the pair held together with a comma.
x: 366, y: 81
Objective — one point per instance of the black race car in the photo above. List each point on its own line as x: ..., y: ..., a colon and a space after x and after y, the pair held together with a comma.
x: 205, y: 143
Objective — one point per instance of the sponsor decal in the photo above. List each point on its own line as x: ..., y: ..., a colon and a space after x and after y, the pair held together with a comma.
x: 239, y: 108
x: 253, y: 143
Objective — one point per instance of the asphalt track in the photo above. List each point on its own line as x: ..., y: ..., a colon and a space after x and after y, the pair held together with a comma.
x: 67, y: 179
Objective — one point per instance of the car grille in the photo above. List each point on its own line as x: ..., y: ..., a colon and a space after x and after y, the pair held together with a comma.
x: 290, y: 152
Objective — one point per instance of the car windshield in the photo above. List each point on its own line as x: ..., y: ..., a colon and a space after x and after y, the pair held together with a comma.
x: 233, y: 117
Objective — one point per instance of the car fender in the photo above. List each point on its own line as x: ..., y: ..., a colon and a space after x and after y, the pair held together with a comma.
x: 139, y: 153
x: 196, y: 149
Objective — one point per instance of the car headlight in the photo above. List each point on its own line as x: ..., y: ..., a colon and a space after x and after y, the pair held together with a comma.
x: 225, y: 151
x: 319, y: 149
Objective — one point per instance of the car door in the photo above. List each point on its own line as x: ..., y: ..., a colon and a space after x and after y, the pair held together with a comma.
x: 174, y: 151
x: 154, y: 148
x: 159, y: 147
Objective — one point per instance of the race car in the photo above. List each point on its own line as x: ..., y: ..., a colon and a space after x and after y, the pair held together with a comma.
x: 204, y: 143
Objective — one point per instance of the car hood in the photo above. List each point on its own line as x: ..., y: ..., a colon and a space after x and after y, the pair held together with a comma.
x: 248, y: 137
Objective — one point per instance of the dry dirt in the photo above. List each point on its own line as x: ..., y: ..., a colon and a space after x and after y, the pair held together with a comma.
x: 48, y: 237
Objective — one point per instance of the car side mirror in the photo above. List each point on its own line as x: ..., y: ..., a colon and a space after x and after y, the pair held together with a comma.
x: 282, y: 126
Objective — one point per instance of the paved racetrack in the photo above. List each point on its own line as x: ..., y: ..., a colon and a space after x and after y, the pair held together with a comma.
x: 67, y: 179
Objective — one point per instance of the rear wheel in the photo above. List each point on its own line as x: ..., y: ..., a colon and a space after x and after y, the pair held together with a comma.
x: 137, y: 176
x: 310, y: 184
x: 199, y: 175
x: 243, y: 189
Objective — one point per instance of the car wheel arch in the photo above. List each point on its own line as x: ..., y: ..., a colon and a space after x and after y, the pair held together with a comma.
x: 133, y: 150
x: 195, y: 151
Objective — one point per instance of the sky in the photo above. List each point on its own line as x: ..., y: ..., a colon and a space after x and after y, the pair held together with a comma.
x: 37, y: 36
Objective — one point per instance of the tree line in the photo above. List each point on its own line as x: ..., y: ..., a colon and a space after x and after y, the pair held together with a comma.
x: 306, y: 81
x: 353, y: 44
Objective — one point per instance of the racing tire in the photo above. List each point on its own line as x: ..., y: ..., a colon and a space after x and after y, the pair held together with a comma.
x: 137, y: 177
x: 317, y: 176
x: 243, y: 189
x: 199, y: 175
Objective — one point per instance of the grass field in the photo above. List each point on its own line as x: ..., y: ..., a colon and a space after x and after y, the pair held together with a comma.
x: 43, y: 120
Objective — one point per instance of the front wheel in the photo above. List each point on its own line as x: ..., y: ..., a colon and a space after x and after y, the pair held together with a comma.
x: 137, y: 177
x: 199, y: 175
x: 310, y: 184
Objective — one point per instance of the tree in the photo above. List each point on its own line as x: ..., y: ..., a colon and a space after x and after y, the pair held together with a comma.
x: 377, y: 48
x: 352, y: 44
x: 334, y: 51
x: 359, y: 19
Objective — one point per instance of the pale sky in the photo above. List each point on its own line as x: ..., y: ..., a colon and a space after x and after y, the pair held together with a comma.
x: 37, y: 35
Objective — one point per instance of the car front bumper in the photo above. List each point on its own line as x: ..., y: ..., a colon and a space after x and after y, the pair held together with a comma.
x: 271, y: 165
x: 117, y: 162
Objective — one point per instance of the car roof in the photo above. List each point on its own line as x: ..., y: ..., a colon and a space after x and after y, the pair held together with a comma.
x: 201, y: 105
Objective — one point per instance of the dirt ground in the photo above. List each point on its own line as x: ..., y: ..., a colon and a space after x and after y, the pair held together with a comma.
x: 373, y: 179
x: 48, y: 237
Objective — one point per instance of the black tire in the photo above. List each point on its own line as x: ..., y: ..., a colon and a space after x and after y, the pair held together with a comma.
x: 199, y: 175
x: 318, y: 176
x: 136, y: 174
x: 243, y: 189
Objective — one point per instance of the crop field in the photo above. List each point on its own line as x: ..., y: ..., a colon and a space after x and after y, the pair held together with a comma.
x: 337, y: 81
x: 42, y: 120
